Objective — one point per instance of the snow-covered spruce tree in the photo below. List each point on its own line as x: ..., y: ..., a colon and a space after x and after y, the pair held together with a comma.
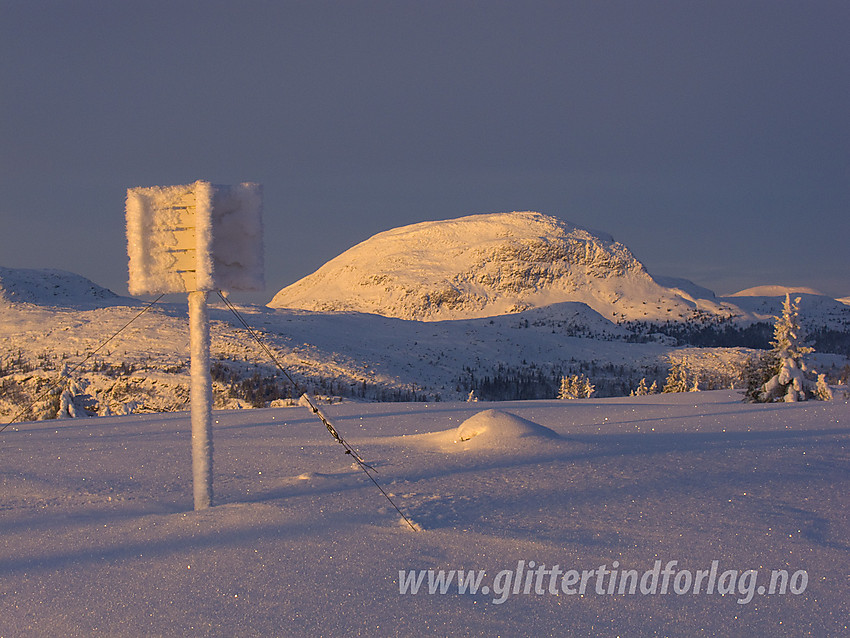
x: 791, y: 380
x: 587, y: 388
x: 695, y: 384
x: 566, y: 390
x: 757, y: 371
x: 677, y: 378
x: 576, y: 387
x: 641, y: 390
x: 75, y: 402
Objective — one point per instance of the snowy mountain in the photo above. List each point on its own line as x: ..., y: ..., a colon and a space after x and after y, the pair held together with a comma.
x: 817, y: 311
x: 48, y: 287
x: 775, y: 291
x: 494, y: 264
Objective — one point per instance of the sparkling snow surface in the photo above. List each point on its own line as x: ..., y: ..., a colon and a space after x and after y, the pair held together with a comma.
x: 97, y: 536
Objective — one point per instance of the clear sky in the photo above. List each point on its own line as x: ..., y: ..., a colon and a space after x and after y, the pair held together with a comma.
x: 711, y: 137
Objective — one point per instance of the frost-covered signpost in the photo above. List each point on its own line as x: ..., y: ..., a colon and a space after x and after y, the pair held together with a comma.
x: 196, y: 238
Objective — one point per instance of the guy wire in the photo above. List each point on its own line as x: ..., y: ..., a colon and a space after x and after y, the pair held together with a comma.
x: 315, y: 410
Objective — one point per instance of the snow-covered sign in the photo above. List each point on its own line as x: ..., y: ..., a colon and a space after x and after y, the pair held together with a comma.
x: 196, y: 238
x: 199, y: 236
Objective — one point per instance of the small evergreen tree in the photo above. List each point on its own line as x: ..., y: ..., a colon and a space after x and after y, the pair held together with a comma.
x: 695, y: 385
x: 567, y: 390
x: 641, y: 390
x: 677, y: 379
x: 757, y: 371
x: 74, y: 402
x: 576, y: 387
x: 791, y: 379
x: 586, y: 388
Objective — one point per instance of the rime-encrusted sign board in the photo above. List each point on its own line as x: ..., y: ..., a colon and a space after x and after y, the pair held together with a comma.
x: 195, y: 237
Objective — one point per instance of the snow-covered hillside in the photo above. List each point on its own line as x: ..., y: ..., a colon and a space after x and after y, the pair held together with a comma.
x: 493, y: 264
x: 775, y: 291
x: 98, y: 536
x: 352, y: 355
x: 145, y: 368
x: 816, y: 311
x: 50, y: 287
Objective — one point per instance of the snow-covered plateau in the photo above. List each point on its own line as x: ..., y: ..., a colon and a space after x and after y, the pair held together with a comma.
x: 352, y: 355
x: 98, y: 536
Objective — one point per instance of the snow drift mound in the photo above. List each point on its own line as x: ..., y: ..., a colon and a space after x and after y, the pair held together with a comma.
x: 495, y: 428
x: 48, y: 287
x: 486, y: 265
x: 487, y: 430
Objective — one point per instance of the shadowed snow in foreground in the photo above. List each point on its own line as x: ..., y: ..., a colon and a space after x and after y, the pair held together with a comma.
x: 97, y: 535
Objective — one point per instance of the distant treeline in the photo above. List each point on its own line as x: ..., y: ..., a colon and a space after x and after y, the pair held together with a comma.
x: 728, y: 335
x: 521, y: 383
x: 260, y: 385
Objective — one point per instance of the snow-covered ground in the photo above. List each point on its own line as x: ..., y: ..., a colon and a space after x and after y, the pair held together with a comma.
x: 51, y: 321
x: 97, y: 535
x: 145, y: 367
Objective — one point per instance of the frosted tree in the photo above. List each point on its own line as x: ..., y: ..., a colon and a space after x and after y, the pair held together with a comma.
x: 756, y: 371
x: 791, y: 380
x: 695, y: 385
x: 576, y: 387
x: 587, y: 388
x: 677, y: 378
x: 641, y: 390
x: 74, y: 402
x: 566, y: 391
x: 67, y: 408
x: 471, y: 398
x: 822, y: 389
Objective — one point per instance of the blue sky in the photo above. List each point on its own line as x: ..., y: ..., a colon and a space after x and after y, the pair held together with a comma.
x: 712, y: 138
